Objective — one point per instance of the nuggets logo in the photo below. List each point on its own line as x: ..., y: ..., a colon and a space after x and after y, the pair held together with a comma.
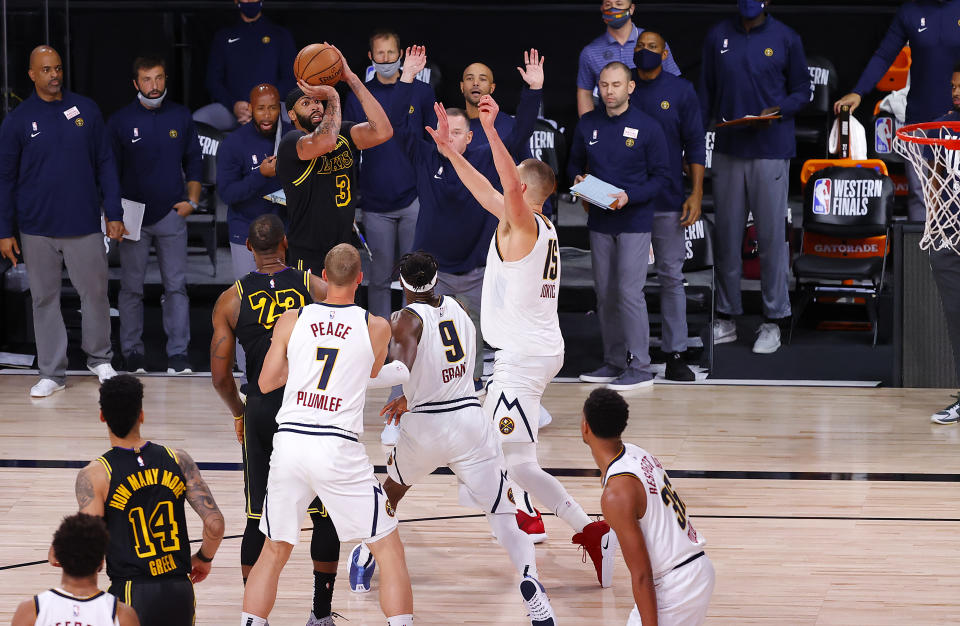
x: 78, y: 122
x: 173, y: 133
x: 821, y: 196
x: 390, y: 460
x: 665, y: 105
x: 266, y: 39
x: 411, y: 109
x: 630, y: 142
x: 507, y: 425
x: 510, y: 496
x: 389, y: 507
x: 768, y: 52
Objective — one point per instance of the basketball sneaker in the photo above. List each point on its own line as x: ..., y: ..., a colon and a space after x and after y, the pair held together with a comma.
x: 361, y: 574
x: 604, y: 374
x: 46, y: 387
x: 325, y: 621
x: 950, y: 415
x: 724, y: 331
x: 538, y: 604
x: 178, y: 365
x: 768, y: 339
x: 135, y: 363
x: 104, y: 371
x: 390, y: 434
x: 677, y: 369
x: 600, y: 543
x: 532, y: 525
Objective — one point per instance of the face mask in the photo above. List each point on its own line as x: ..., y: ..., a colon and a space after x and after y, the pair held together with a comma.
x: 615, y: 18
x: 647, y: 60
x: 251, y: 9
x: 750, y: 9
x: 152, y: 103
x: 387, y: 70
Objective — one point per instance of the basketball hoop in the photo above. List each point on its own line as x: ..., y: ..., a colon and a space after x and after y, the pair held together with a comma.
x: 933, y: 149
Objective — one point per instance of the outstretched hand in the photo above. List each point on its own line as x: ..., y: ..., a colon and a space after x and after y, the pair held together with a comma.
x: 489, y: 109
x: 532, y: 74
x: 441, y: 135
x: 414, y: 60
x: 323, y: 92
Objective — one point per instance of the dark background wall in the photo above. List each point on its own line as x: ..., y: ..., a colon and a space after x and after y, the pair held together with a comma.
x: 105, y: 36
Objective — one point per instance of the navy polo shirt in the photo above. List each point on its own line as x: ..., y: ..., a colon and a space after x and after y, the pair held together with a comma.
x: 56, y: 168
x: 628, y: 151
x: 246, y: 54
x: 744, y: 73
x: 239, y: 181
x: 672, y: 101
x: 386, y: 180
x: 155, y: 149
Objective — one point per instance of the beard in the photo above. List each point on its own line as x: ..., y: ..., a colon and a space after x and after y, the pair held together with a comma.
x: 306, y: 123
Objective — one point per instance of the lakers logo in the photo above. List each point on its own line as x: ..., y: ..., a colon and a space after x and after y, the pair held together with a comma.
x: 78, y: 122
x: 173, y: 133
x: 389, y: 508
x: 768, y: 52
x: 266, y: 39
x: 665, y: 105
x: 510, y: 496
x: 507, y: 425
x: 630, y: 142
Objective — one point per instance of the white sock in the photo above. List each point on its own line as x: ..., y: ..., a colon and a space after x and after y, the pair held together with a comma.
x: 572, y: 513
x: 550, y: 492
x: 400, y: 620
x: 248, y: 619
x: 516, y: 542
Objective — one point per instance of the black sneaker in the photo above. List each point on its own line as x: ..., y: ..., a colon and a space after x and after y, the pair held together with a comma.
x: 677, y: 369
x: 135, y: 363
x: 178, y: 364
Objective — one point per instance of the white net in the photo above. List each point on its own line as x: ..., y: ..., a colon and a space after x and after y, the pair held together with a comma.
x: 933, y: 149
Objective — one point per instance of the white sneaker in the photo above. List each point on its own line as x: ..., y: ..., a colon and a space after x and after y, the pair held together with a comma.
x: 390, y: 434
x: 45, y: 387
x: 950, y: 415
x: 538, y: 604
x: 724, y: 331
x: 545, y: 417
x: 104, y: 371
x: 608, y: 551
x: 768, y: 340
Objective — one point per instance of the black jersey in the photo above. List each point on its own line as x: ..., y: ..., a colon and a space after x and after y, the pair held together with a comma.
x: 320, y: 192
x: 144, y: 513
x: 263, y: 299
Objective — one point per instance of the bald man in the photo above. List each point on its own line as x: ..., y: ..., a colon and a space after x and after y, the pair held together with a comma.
x: 246, y: 172
x: 56, y: 171
x: 157, y: 149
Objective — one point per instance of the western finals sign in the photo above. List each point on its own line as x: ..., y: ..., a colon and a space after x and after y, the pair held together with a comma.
x: 841, y: 197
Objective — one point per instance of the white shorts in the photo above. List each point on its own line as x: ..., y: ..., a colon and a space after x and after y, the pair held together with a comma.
x: 514, y: 393
x: 683, y: 595
x: 330, y: 463
x: 462, y: 440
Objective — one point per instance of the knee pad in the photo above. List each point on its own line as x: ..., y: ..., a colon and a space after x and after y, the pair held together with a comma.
x: 324, y: 544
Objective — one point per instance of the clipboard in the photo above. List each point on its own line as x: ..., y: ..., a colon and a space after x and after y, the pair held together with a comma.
x: 749, y: 119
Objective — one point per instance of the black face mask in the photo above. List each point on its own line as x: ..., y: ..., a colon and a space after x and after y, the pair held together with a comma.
x: 647, y: 60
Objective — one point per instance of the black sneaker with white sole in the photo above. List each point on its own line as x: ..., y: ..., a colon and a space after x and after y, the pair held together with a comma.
x: 178, y: 365
x: 677, y: 369
x: 950, y: 415
x: 136, y: 364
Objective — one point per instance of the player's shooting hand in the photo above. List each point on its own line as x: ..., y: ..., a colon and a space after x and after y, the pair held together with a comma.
x: 346, y: 74
x: 199, y: 570
x: 441, y: 135
x: 691, y: 209
x: 851, y: 100
x: 414, y: 60
x: 268, y: 167
x: 116, y: 230
x: 394, y: 409
x: 9, y: 249
x: 241, y: 111
x: 532, y: 72
x: 323, y: 92
x: 621, y: 199
x: 489, y: 109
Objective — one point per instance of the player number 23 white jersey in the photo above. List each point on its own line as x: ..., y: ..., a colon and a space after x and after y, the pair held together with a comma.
x: 667, y: 528
x: 443, y: 371
x: 57, y: 607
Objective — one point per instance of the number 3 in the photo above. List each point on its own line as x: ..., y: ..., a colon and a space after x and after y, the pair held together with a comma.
x: 343, y: 190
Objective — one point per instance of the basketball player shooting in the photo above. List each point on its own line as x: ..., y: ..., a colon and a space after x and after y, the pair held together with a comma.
x: 519, y: 317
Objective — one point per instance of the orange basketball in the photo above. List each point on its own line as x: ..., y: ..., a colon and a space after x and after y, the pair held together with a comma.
x: 318, y: 64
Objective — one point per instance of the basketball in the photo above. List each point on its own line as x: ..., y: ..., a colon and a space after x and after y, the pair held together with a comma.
x: 318, y: 64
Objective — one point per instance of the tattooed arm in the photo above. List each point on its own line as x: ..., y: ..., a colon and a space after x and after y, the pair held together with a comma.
x: 323, y: 139
x: 225, y: 314
x: 91, y: 488
x: 200, y: 498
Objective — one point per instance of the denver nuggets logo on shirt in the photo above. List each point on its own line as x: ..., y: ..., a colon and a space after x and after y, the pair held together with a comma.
x: 78, y: 122
x: 768, y: 52
x: 507, y: 425
x: 173, y: 133
x: 266, y: 39
x: 389, y: 508
x: 510, y: 496
x: 411, y: 109
x: 665, y: 105
x: 630, y: 142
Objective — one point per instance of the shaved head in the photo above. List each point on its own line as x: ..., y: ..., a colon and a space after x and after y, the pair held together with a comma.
x: 341, y: 266
x: 478, y: 68
x: 539, y: 178
x: 36, y: 53
x: 265, y: 90
x: 46, y: 72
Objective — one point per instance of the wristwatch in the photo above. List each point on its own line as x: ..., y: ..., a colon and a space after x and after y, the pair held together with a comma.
x: 193, y: 204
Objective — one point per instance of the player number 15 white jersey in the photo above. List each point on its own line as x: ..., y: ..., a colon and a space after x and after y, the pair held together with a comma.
x: 57, y: 607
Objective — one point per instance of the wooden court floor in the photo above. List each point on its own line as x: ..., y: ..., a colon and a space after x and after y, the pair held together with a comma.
x: 819, y: 505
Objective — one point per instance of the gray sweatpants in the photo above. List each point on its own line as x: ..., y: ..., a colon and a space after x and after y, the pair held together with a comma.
x: 390, y: 236
x: 86, y: 261
x: 468, y: 288
x: 619, y: 273
x: 169, y: 238
x: 759, y: 186
x: 946, y: 272
x: 669, y: 251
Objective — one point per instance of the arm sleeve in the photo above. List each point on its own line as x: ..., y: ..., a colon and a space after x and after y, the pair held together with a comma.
x: 288, y: 52
x: 391, y: 374
x: 193, y: 156
x: 798, y: 78
x: 107, y: 170
x: 234, y: 184
x: 691, y: 128
x: 708, y: 80
x: 526, y: 118
x: 216, y: 74
x: 885, y: 55
x: 577, y: 163
x: 658, y: 174
x: 586, y: 79
x: 9, y: 168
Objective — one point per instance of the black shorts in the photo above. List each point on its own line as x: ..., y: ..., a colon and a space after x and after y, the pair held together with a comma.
x: 259, y: 427
x: 162, y: 602
x: 305, y: 259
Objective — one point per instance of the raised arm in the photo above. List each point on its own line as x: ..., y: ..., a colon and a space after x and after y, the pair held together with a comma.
x: 91, y: 488
x: 528, y: 108
x: 273, y: 374
x: 225, y: 314
x: 622, y: 507
x: 201, y: 500
x: 515, y: 210
x: 323, y: 139
x: 377, y: 129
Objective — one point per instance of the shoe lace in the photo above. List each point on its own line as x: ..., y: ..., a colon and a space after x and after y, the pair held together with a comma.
x: 538, y: 609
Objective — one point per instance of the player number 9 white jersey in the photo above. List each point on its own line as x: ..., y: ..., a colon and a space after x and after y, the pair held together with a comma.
x: 443, y: 371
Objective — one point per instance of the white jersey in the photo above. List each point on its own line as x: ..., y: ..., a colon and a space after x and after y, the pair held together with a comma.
x: 330, y: 358
x: 57, y: 607
x: 518, y: 311
x: 443, y: 371
x: 667, y: 530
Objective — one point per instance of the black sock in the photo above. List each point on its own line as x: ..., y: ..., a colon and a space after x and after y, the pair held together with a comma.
x: 724, y: 316
x: 322, y: 594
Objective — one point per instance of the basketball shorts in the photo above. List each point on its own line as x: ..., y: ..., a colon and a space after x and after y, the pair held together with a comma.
x: 305, y: 259
x: 330, y: 463
x: 259, y: 427
x: 683, y: 595
x: 514, y: 393
x: 160, y: 602
x: 460, y: 439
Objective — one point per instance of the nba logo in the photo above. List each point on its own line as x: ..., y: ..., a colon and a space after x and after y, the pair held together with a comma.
x: 140, y: 461
x: 34, y: 127
x: 254, y: 157
x: 726, y: 43
x: 883, y: 135
x: 821, y: 197
x: 136, y: 132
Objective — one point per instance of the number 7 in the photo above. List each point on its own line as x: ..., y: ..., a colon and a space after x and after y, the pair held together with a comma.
x: 329, y: 357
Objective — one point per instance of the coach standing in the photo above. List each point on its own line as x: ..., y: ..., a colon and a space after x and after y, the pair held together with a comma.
x: 55, y: 162
x: 753, y: 64
x: 672, y: 101
x: 621, y: 146
x: 157, y: 147
x: 932, y: 27
x: 616, y: 44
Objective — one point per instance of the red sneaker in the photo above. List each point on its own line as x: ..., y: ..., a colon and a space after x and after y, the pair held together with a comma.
x: 533, y: 526
x: 600, y: 543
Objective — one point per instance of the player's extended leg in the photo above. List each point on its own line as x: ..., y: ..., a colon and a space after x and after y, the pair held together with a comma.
x: 396, y: 593
x: 260, y: 593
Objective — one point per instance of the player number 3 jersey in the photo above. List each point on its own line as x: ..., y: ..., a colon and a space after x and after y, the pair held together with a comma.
x: 443, y: 371
x: 330, y: 358
x: 667, y: 529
